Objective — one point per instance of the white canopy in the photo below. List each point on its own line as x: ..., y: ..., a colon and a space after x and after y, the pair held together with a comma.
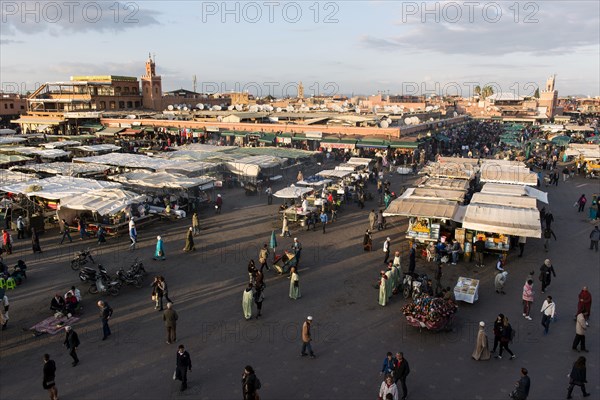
x: 360, y: 161
x: 314, y: 184
x: 62, y: 168
x: 97, y: 148
x: 11, y: 140
x: 334, y: 173
x: 58, y: 187
x: 8, y: 177
x: 163, y: 180
x: 515, y: 190
x: 292, y: 192
x: 252, y: 165
x: 587, y: 151
x: 104, y: 201
x: 129, y: 161
x: 443, y: 183
x: 514, y: 175
x: 419, y: 207
x: 505, y: 200
x: 199, y: 147
x: 7, y: 131
x: 44, y: 153
x: 504, y: 220
x: 59, y: 144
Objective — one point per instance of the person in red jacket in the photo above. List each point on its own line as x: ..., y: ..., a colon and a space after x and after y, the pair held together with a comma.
x: 584, y: 304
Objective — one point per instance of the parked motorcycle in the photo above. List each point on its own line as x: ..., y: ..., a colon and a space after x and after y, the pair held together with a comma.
x: 129, y: 278
x: 137, y: 268
x: 99, y: 286
x: 82, y: 258
x: 412, y: 285
x: 87, y: 274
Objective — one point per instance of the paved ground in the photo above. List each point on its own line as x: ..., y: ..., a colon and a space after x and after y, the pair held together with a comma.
x: 352, y: 332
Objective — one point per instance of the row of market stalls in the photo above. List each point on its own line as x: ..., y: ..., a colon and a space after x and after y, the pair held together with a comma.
x: 307, y: 194
x: 464, y: 199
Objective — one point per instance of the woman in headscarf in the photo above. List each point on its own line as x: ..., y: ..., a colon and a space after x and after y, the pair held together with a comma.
x: 247, y: 300
x: 159, y: 253
x: 482, y: 351
x: 189, y: 240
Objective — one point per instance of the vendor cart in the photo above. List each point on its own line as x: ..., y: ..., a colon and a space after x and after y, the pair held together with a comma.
x: 431, y: 313
x: 283, y: 263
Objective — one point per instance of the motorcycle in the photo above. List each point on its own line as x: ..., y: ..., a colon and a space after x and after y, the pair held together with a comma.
x: 412, y: 285
x: 129, y: 278
x: 137, y: 268
x: 90, y: 274
x: 81, y: 259
x: 110, y: 287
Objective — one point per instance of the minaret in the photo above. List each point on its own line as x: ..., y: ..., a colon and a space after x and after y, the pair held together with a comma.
x: 549, y: 96
x: 300, y: 91
x: 151, y: 87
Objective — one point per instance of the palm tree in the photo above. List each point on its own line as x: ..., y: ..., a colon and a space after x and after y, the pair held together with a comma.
x: 487, y: 91
x: 477, y: 90
x: 536, y: 94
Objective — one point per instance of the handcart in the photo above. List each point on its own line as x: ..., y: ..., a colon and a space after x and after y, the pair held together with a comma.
x: 283, y: 263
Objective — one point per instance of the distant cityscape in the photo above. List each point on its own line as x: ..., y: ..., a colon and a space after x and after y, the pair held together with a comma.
x: 85, y: 104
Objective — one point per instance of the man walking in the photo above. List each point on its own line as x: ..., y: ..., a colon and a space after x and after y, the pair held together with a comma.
x: 306, y: 338
x: 263, y: 256
x: 594, y: 238
x: 522, y: 241
x: 323, y: 218
x: 297, y: 248
x: 546, y: 272
x: 195, y: 224
x: 105, y: 313
x: 132, y: 234
x: 386, y: 249
x: 66, y: 232
x: 522, y: 386
x: 548, y: 310
x: 479, y: 246
x: 401, y: 371
x: 372, y: 220
x: 548, y: 234
x: 4, y: 304
x: 20, y: 228
x: 580, y: 328
x: 170, y: 317
x: 49, y: 376
x: 72, y: 343
x: 184, y: 363
x: 269, y: 193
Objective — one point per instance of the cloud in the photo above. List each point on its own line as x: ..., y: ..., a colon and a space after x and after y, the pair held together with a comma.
x: 560, y: 28
x: 65, y: 18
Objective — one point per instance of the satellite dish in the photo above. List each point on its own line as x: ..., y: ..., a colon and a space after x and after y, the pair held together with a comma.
x: 179, y: 107
x: 411, y: 109
x: 278, y: 109
x: 185, y: 108
x: 357, y: 110
x: 407, y: 121
x: 430, y: 119
x: 253, y: 109
x: 384, y: 124
x: 200, y: 106
x: 428, y: 108
x: 217, y: 108
x: 219, y: 118
x: 230, y: 108
x: 455, y: 114
x: 170, y: 107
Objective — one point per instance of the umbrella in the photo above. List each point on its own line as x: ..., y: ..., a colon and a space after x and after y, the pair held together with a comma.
x: 273, y: 242
x: 593, y: 139
x: 561, y: 140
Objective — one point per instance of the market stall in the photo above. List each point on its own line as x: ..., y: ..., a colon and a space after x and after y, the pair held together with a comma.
x: 466, y: 290
x: 428, y: 217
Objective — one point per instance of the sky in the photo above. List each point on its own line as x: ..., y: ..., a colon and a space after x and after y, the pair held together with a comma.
x: 333, y: 47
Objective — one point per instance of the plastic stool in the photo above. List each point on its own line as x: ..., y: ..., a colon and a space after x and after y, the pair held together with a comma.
x: 11, y: 283
x: 2, y: 283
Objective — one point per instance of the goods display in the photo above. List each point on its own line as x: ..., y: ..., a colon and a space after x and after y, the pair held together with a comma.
x: 430, y: 312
